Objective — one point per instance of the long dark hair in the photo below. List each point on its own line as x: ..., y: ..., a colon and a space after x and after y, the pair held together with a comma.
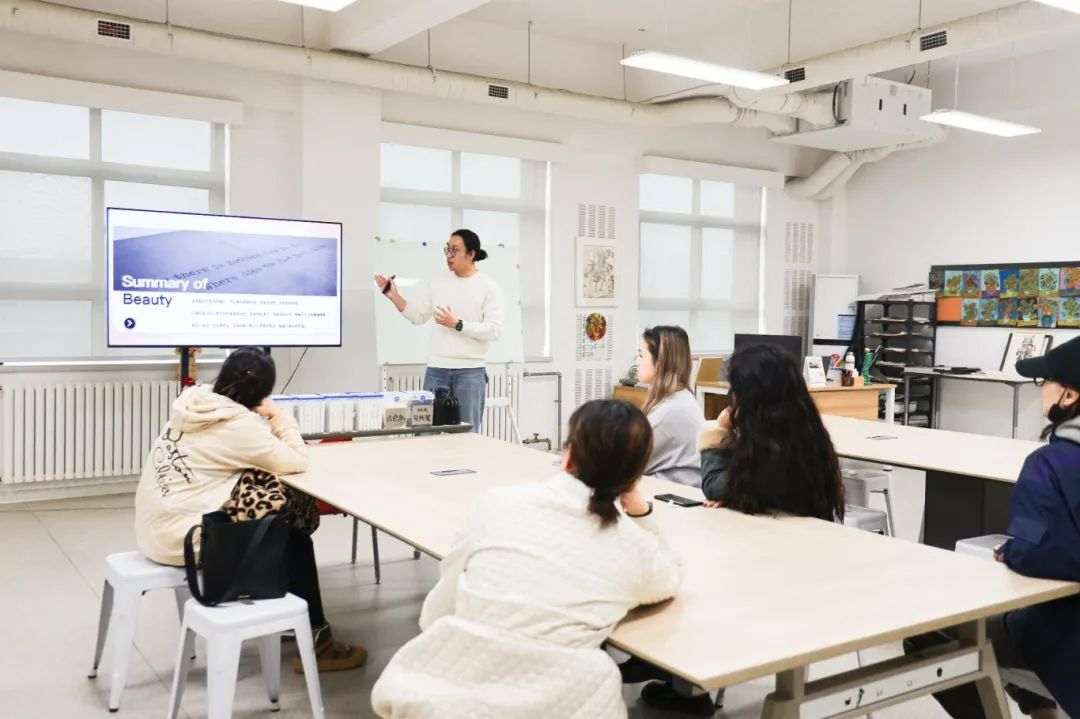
x: 610, y: 442
x: 782, y: 458
x: 247, y: 377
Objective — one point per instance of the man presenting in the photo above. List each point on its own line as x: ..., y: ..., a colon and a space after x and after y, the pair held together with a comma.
x: 468, y: 308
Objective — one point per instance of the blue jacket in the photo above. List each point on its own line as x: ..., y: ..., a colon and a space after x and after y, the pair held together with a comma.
x: 1045, y: 531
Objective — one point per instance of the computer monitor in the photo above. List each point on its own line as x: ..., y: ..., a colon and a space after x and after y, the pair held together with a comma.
x: 791, y: 343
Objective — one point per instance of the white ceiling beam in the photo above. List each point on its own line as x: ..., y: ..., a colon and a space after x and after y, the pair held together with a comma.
x: 371, y: 26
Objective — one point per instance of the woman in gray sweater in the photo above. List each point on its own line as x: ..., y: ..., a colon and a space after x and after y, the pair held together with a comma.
x: 664, y: 363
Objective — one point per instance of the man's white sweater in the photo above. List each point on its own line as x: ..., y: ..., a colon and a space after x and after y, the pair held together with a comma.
x: 477, y: 301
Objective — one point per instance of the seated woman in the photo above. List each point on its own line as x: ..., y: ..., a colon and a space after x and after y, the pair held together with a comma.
x: 536, y: 583
x: 1045, y: 530
x: 664, y: 363
x: 213, y: 440
x: 769, y: 453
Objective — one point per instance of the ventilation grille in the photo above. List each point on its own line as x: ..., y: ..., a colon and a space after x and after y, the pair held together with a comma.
x: 113, y: 29
x: 799, y: 263
x: 500, y: 91
x: 596, y: 221
x: 796, y: 74
x: 934, y: 40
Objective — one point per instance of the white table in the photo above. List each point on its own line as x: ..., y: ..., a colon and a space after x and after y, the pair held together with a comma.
x: 969, y: 477
x: 1007, y: 378
x: 768, y: 597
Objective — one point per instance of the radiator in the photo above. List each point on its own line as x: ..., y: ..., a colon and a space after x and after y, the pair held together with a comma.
x: 504, y: 381
x: 80, y: 430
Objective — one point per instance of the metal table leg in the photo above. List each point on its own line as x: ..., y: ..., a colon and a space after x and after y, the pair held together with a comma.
x: 1016, y: 410
x: 355, y: 532
x: 935, y: 418
x: 907, y: 396
x: 375, y: 554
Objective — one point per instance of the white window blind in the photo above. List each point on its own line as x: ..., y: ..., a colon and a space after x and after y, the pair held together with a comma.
x: 700, y: 258
x: 60, y: 167
x: 428, y: 193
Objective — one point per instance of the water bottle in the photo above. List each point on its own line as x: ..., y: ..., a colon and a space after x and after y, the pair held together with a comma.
x: 849, y: 362
x: 868, y: 358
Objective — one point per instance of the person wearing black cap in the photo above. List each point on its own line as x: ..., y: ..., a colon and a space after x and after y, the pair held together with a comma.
x: 1044, y: 531
x: 468, y: 308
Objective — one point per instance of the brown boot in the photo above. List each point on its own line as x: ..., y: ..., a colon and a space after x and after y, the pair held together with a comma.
x: 331, y: 655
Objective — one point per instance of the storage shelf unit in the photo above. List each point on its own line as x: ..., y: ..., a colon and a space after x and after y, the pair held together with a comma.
x: 906, y: 332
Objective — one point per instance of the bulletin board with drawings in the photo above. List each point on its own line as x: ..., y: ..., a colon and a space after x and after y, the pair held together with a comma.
x: 1045, y: 295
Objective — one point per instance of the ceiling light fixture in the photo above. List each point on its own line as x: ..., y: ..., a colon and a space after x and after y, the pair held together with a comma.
x: 328, y: 5
x: 700, y: 70
x: 979, y: 123
x: 1070, y: 5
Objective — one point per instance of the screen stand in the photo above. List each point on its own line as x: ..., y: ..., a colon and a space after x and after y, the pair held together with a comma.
x: 185, y: 367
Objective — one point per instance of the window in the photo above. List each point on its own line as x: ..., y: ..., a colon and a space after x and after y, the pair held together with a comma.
x: 60, y: 167
x: 700, y: 258
x: 428, y: 193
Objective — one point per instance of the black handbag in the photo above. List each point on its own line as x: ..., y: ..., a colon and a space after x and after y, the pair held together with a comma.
x: 447, y: 409
x: 240, y: 560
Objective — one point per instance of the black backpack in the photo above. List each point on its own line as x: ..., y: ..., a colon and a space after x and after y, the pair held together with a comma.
x: 447, y: 409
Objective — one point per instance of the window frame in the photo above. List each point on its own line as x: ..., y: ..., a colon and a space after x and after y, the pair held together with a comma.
x: 214, y: 180
x: 697, y: 222
x: 533, y: 206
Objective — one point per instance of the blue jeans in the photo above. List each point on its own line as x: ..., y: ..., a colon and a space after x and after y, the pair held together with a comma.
x: 468, y: 385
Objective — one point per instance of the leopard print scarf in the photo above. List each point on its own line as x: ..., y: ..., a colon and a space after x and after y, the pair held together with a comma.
x: 259, y: 493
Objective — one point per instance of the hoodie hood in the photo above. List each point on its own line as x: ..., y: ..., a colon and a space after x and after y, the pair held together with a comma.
x: 198, y: 408
x: 1069, y: 430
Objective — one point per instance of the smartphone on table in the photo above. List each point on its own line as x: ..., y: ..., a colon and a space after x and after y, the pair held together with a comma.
x: 678, y: 501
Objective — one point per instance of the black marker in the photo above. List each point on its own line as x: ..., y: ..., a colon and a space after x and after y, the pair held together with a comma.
x: 389, y: 282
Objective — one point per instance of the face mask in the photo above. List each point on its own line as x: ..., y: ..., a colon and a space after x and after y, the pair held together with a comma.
x: 1057, y: 413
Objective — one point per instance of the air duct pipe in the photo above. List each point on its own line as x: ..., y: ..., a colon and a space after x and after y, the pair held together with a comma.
x: 72, y: 25
x: 835, y: 172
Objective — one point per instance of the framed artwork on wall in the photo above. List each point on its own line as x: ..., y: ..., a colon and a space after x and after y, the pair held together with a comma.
x: 596, y: 276
x: 1024, y: 345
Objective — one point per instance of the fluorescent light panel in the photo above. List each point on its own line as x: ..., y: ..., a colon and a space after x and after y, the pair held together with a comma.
x: 979, y: 123
x: 1070, y: 5
x: 328, y: 5
x: 699, y: 70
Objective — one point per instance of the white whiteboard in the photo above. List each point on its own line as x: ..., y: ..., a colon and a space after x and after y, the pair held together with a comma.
x: 833, y: 296
x: 414, y: 262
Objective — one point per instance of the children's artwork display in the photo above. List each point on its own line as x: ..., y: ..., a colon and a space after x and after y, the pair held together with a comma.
x: 1044, y: 295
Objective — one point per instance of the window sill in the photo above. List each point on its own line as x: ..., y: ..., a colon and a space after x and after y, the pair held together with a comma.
x: 69, y: 365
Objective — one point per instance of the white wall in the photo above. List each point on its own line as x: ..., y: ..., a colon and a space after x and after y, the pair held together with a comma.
x: 975, y: 199
x: 310, y: 149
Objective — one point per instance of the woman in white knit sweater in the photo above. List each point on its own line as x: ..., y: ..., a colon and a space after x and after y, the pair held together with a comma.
x: 536, y: 583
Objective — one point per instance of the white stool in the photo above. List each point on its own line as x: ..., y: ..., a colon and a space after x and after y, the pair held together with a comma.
x: 859, y: 484
x: 129, y: 575
x: 871, y: 520
x: 981, y: 547
x: 225, y: 628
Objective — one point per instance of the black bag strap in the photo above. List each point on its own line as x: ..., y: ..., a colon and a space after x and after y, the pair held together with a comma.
x: 253, y: 547
x: 190, y: 568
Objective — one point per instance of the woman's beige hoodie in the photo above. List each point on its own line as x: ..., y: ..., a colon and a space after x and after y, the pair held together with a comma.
x: 196, y: 461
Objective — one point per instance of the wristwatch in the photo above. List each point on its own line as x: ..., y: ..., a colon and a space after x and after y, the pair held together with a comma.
x: 460, y: 325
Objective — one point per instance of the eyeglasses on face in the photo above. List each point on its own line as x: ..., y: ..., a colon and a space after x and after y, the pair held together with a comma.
x: 451, y: 251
